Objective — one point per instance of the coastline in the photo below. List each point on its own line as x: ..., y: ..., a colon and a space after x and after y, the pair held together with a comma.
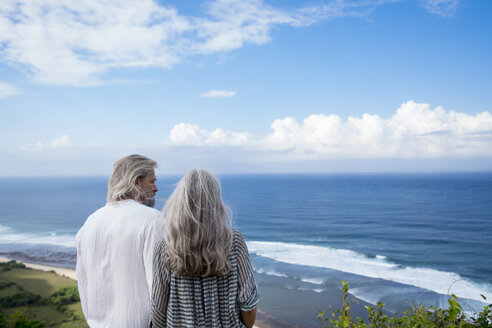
x: 67, y: 272
x: 70, y: 273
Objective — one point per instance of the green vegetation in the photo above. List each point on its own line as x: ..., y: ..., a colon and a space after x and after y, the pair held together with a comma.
x: 64, y: 296
x: 22, y: 298
x: 37, y: 299
x: 11, y: 264
x: 421, y: 317
x: 19, y: 320
x: 32, y: 298
x: 4, y: 284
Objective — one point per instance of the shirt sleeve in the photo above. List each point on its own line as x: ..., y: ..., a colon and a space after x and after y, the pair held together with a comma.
x: 248, y: 295
x: 160, y: 287
x: 81, y: 275
x: 154, y: 233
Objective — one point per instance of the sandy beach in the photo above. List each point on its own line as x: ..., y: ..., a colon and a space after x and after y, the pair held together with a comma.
x: 70, y: 273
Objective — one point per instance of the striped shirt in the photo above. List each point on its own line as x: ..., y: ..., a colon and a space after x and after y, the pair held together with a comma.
x: 210, y: 302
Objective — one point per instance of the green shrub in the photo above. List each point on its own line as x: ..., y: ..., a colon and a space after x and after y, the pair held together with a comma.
x: 64, y: 296
x: 20, y: 299
x: 5, y: 284
x: 12, y: 264
x: 19, y: 320
x: 421, y: 317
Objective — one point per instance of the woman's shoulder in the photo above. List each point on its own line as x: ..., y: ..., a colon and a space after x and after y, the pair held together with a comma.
x: 238, y: 241
x: 237, y: 236
x: 161, y: 248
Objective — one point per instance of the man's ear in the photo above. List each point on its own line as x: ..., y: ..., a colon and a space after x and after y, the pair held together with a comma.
x: 138, y: 182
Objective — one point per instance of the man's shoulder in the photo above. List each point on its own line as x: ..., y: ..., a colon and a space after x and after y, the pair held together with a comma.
x: 129, y: 205
x: 124, y: 209
x: 146, y: 211
x: 147, y: 216
x: 98, y: 211
x: 91, y: 221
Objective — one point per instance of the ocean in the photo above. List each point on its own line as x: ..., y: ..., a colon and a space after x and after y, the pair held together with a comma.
x: 399, y: 239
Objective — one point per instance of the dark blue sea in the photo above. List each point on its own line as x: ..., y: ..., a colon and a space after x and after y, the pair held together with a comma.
x: 396, y: 238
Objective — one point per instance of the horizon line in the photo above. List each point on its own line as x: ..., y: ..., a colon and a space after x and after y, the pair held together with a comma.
x: 406, y: 172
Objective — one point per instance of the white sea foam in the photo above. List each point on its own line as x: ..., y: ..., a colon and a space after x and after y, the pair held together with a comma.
x: 370, y: 297
x: 313, y: 281
x: 271, y: 273
x: 352, y: 262
x: 302, y: 289
x: 8, y: 236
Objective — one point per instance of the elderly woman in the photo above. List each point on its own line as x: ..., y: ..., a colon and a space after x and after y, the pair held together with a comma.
x: 202, y: 272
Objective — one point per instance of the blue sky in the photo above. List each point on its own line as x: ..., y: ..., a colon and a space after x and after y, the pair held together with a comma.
x: 245, y: 86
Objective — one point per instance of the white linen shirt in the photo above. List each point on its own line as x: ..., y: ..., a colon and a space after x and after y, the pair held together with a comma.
x: 115, y: 249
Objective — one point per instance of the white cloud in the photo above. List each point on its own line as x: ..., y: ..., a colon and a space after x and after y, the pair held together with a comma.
x: 57, y: 143
x: 61, y: 142
x: 234, y: 22
x: 442, y: 7
x: 184, y: 134
x: 70, y: 42
x: 75, y: 42
x: 414, y: 131
x: 218, y: 94
x: 7, y: 90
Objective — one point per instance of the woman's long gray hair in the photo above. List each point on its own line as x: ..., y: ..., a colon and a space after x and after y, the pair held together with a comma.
x: 126, y: 171
x: 198, y: 227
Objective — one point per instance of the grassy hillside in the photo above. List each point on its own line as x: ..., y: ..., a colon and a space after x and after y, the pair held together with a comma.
x: 42, y: 296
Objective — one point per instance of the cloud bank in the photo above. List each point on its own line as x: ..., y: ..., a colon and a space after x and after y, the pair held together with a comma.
x: 184, y: 134
x: 414, y: 131
x: 57, y: 143
x: 76, y: 42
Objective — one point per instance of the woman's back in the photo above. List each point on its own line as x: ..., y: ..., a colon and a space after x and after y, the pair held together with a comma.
x: 211, y: 302
x: 202, y: 272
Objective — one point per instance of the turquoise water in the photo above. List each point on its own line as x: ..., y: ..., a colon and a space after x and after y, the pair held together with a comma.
x: 395, y: 238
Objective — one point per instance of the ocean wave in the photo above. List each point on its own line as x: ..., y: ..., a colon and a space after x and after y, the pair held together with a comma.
x: 271, y: 273
x: 9, y: 236
x: 379, y: 267
x: 369, y: 297
x: 303, y: 289
x: 313, y: 281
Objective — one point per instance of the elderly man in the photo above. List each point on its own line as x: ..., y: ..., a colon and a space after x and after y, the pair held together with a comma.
x: 115, y: 248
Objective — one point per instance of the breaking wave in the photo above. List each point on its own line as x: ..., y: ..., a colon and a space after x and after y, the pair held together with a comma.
x: 378, y: 267
x: 9, y: 236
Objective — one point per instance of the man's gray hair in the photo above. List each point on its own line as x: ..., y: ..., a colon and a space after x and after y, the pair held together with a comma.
x: 126, y: 171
